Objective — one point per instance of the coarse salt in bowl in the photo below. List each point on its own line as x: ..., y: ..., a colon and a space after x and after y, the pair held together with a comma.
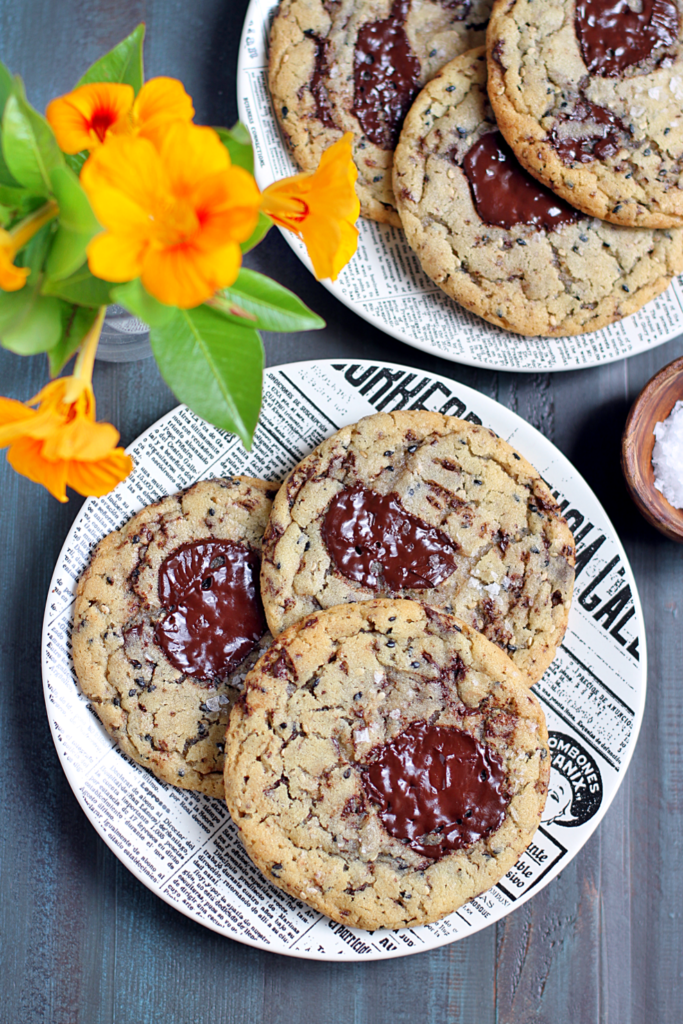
x: 667, y: 456
x: 652, y: 451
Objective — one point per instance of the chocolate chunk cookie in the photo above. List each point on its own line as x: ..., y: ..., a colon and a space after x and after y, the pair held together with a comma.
x: 168, y: 621
x: 589, y: 94
x: 498, y: 241
x: 343, y: 65
x: 385, y: 764
x: 425, y: 506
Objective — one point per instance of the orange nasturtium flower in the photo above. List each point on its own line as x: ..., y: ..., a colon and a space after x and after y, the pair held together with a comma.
x: 321, y: 208
x: 83, y: 118
x: 59, y: 443
x: 174, y: 215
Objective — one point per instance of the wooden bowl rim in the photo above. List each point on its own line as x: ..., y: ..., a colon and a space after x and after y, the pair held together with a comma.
x: 650, y: 502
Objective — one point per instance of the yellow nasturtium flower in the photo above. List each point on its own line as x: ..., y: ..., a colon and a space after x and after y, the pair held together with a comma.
x: 321, y: 208
x: 85, y: 117
x: 174, y: 216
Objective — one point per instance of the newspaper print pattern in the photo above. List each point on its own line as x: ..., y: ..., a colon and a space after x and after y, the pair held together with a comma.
x: 182, y: 845
x: 385, y: 284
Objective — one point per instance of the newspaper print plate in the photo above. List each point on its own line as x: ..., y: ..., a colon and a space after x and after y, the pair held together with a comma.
x: 385, y: 284
x: 182, y: 845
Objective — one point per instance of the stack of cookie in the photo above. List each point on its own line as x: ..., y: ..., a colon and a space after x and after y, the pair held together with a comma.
x: 539, y: 179
x: 384, y: 759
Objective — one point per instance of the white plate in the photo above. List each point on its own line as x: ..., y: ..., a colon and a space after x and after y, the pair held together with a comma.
x: 385, y: 284
x: 183, y: 846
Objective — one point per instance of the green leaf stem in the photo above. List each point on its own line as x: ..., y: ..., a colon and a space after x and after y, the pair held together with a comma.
x: 76, y: 322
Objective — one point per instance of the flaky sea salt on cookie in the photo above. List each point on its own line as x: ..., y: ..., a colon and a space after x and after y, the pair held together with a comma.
x: 355, y: 66
x: 589, y: 94
x: 430, y: 507
x: 168, y: 620
x: 498, y: 241
x: 385, y: 764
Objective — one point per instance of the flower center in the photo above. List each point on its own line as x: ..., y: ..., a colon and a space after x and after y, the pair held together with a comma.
x: 287, y: 209
x: 175, y: 222
x: 101, y: 122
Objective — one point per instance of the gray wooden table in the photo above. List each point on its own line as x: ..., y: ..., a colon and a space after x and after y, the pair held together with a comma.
x: 83, y: 942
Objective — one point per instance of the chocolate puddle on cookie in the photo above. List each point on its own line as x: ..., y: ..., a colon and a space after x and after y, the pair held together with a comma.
x: 210, y: 591
x: 505, y: 194
x: 386, y: 73
x: 375, y: 541
x: 437, y: 788
x: 586, y: 132
x: 614, y: 34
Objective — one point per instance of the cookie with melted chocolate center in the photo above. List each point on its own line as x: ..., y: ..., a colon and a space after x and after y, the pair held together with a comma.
x: 496, y: 239
x: 341, y: 65
x: 168, y: 620
x: 589, y: 95
x: 429, y: 507
x: 385, y: 764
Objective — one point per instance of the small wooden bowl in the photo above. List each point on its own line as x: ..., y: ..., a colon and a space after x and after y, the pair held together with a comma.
x: 653, y: 404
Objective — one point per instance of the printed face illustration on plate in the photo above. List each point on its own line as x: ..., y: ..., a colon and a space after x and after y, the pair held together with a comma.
x: 575, y: 790
x: 558, y: 807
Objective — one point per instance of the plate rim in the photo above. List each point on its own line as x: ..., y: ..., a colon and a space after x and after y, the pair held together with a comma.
x: 352, y: 956
x: 334, y: 288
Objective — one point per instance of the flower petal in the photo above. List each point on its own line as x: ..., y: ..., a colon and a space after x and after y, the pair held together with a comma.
x: 219, y: 267
x: 11, y: 278
x: 129, y: 166
x: 330, y: 246
x: 25, y: 456
x: 227, y: 206
x: 98, y: 478
x: 190, y: 154
x: 159, y: 101
x: 116, y: 211
x: 13, y: 417
x: 175, y: 276
x: 116, y: 257
x: 162, y: 96
x: 82, y: 440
